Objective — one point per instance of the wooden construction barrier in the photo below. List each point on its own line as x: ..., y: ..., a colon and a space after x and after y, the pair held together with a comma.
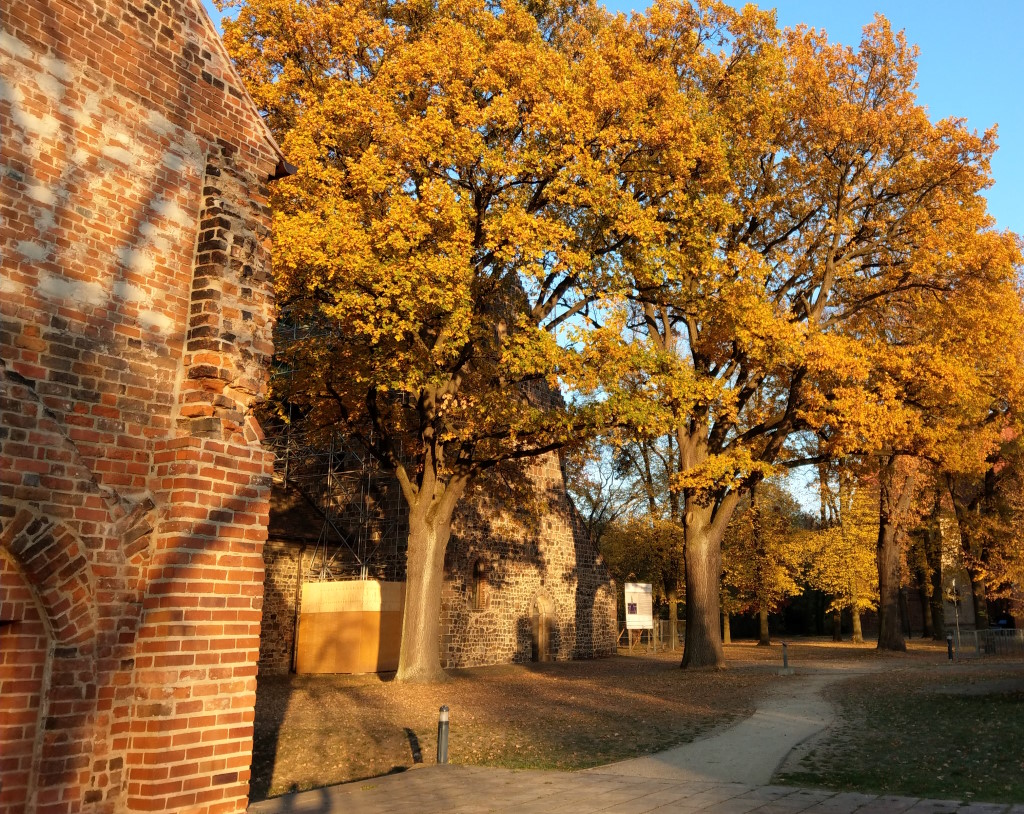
x: 350, y: 627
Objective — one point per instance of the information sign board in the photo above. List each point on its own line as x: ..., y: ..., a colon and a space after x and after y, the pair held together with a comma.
x: 639, y: 606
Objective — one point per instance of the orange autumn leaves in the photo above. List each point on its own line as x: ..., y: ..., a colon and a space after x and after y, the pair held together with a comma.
x: 688, y: 221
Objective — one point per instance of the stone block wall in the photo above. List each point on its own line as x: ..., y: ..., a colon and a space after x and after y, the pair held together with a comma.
x: 519, y: 532
x: 534, y: 558
x: 135, y: 318
x: 285, y: 565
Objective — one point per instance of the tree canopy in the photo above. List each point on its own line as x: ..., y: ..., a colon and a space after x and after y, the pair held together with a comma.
x: 516, y: 225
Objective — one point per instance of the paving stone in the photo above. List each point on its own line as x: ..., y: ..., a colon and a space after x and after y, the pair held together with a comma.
x: 888, y: 804
x: 475, y: 790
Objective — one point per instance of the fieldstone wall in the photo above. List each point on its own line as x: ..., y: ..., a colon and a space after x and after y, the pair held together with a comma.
x: 516, y: 533
x: 135, y: 319
x: 535, y: 557
x: 282, y: 587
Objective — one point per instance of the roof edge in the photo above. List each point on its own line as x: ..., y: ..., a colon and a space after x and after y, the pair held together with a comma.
x: 283, y: 168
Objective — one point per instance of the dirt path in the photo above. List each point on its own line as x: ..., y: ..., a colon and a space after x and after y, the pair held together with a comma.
x: 751, y: 751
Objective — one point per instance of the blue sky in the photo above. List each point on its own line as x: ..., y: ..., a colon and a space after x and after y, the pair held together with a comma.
x: 971, y: 65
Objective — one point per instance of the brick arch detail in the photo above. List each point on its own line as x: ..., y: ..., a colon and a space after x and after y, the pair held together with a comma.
x: 54, y: 561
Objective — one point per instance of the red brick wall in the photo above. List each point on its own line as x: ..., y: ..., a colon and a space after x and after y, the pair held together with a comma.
x: 23, y: 649
x: 135, y: 315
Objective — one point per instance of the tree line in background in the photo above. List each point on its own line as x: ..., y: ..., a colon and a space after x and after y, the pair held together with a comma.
x: 720, y: 249
x: 956, y: 525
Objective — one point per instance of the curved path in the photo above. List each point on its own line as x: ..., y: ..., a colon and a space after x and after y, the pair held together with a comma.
x: 752, y: 750
x: 725, y: 773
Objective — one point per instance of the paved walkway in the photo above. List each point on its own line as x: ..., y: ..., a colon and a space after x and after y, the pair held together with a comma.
x: 725, y: 773
x: 478, y: 790
x: 752, y: 750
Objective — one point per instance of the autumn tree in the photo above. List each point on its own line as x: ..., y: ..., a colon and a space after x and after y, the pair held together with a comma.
x: 841, y: 556
x: 825, y: 192
x: 449, y: 243
x: 685, y: 215
x: 989, y: 510
x: 763, y: 555
x: 936, y: 385
x: 601, y: 491
x: 645, y: 549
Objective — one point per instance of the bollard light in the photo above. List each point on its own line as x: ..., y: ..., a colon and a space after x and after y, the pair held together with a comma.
x: 442, y: 735
x: 949, y: 645
x: 785, y: 657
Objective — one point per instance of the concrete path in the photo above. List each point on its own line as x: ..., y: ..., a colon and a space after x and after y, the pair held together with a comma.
x: 752, y: 750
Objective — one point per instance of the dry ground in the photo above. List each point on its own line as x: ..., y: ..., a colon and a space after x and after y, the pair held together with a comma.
x: 320, y: 730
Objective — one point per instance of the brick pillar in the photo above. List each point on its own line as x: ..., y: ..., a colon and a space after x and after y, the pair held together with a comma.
x: 198, y: 646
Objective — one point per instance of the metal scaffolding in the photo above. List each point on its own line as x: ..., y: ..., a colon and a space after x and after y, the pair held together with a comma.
x: 362, y: 518
x: 354, y: 507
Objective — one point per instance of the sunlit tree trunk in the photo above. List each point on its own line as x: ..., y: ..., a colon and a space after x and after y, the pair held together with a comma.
x: 726, y: 632
x: 430, y: 527
x: 858, y: 631
x: 703, y: 554
x: 894, y: 500
x: 764, y: 637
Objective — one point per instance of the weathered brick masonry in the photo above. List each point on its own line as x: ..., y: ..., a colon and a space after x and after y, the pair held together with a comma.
x: 136, y: 314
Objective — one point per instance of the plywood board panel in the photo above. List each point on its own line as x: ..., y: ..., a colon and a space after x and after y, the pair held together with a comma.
x: 350, y: 627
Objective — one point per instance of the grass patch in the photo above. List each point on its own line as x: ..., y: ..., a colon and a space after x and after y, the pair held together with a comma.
x: 941, y: 732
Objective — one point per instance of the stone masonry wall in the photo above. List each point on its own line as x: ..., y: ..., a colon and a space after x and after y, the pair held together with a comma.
x: 539, y: 554
x: 135, y: 318
x: 536, y: 556
x: 281, y: 590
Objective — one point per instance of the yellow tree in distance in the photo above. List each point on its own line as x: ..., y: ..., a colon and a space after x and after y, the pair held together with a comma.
x: 841, y: 557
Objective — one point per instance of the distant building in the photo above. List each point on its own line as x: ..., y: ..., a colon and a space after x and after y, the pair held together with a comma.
x: 520, y: 584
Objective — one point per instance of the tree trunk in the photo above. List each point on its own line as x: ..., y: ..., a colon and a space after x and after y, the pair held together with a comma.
x: 926, y: 608
x: 890, y: 637
x: 905, y: 614
x: 934, y: 554
x: 430, y: 527
x: 858, y: 631
x: 673, y: 615
x: 703, y: 556
x: 980, y: 599
x: 931, y: 578
x: 894, y: 499
x: 726, y: 633
x: 764, y: 637
x: 420, y: 657
x: 837, y: 625
x: 760, y: 557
